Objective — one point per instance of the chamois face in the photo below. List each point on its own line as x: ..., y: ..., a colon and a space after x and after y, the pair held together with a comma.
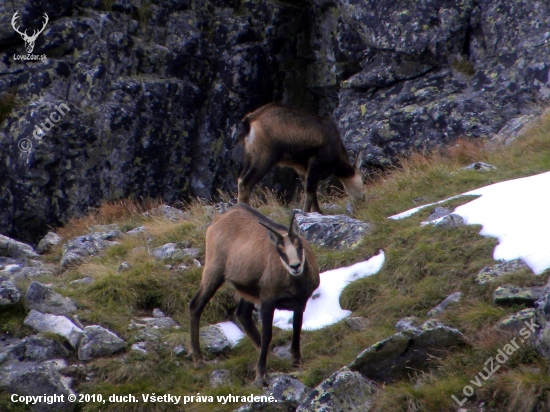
x: 289, y: 248
x: 354, y: 186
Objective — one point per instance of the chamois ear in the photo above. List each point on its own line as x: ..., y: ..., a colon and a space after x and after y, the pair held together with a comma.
x: 274, y: 236
x: 294, y: 228
x: 359, y: 160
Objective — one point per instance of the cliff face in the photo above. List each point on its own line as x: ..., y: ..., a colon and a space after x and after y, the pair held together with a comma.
x: 147, y: 94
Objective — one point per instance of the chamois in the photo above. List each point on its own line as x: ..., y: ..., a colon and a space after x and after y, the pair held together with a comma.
x: 268, y: 264
x: 310, y: 144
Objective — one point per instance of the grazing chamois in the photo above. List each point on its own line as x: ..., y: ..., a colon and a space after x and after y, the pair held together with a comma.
x: 310, y: 144
x: 268, y: 264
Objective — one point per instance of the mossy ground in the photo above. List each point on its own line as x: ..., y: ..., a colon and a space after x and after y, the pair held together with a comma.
x: 423, y: 266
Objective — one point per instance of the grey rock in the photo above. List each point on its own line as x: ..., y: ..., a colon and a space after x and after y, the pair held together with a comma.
x: 516, y: 321
x: 30, y: 272
x: 173, y: 251
x: 43, y: 299
x: 13, y: 248
x: 357, y: 323
x: 137, y: 231
x: 332, y: 231
x: 512, y: 129
x: 350, y: 209
x: 331, y: 208
x: 124, y: 267
x: 196, y: 263
x: 449, y: 222
x: 410, y: 322
x: 179, y: 350
x: 514, y: 295
x: 344, y: 390
x: 58, y: 325
x: 76, y: 250
x: 490, y: 273
x: 48, y: 242
x: 43, y: 380
x: 157, y: 313
x: 438, y: 213
x: 288, y: 392
x: 405, y: 352
x: 9, y: 293
x: 168, y: 212
x: 219, y: 377
x: 139, y: 347
x: 32, y: 349
x: 480, y: 167
x: 439, y: 309
x: 542, y: 323
x: 154, y: 323
x: 40, y: 348
x: 214, y: 340
x: 98, y: 342
x: 283, y: 351
x: 84, y: 281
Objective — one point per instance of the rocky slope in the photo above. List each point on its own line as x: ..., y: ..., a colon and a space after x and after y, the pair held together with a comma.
x: 155, y: 89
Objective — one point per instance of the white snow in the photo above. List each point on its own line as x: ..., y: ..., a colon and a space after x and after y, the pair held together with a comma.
x: 516, y: 212
x: 323, y: 308
x: 231, y: 331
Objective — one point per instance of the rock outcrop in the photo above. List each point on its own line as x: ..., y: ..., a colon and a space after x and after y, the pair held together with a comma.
x: 146, y: 98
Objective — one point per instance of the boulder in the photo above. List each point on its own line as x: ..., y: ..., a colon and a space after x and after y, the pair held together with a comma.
x: 214, y: 340
x: 410, y: 322
x: 515, y: 295
x: 44, y: 299
x: 344, y: 390
x: 406, y: 352
x: 154, y: 323
x: 82, y: 247
x: 9, y: 293
x: 43, y: 380
x: 438, y: 213
x: 137, y: 231
x: 48, y: 242
x: 40, y: 348
x: 480, y: 167
x: 439, y: 309
x: 13, y: 248
x: 331, y: 231
x: 173, y: 251
x: 35, y: 348
x: 287, y: 392
x: 450, y: 221
x: 58, y: 325
x: 490, y: 273
x: 98, y: 342
x: 516, y: 321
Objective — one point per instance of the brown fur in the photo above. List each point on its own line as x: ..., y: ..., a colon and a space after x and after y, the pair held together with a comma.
x: 310, y: 144
x: 239, y: 250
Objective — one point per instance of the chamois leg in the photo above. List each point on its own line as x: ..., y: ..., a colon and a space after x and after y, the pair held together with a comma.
x: 312, y: 181
x: 251, y: 176
x: 211, y: 282
x: 266, y: 312
x: 244, y: 313
x: 296, y: 331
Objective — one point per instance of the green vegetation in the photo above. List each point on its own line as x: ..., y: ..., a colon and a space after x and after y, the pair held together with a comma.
x: 423, y: 266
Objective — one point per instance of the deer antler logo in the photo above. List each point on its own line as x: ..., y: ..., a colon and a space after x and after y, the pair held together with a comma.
x: 29, y: 40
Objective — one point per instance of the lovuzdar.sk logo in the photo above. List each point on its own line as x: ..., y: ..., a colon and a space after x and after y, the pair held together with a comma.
x: 29, y: 40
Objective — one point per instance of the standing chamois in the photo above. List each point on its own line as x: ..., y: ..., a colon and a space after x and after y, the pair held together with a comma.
x: 268, y: 264
x: 310, y: 144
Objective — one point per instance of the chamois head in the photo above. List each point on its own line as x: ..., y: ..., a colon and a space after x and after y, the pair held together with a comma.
x: 289, y: 247
x: 354, y: 184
